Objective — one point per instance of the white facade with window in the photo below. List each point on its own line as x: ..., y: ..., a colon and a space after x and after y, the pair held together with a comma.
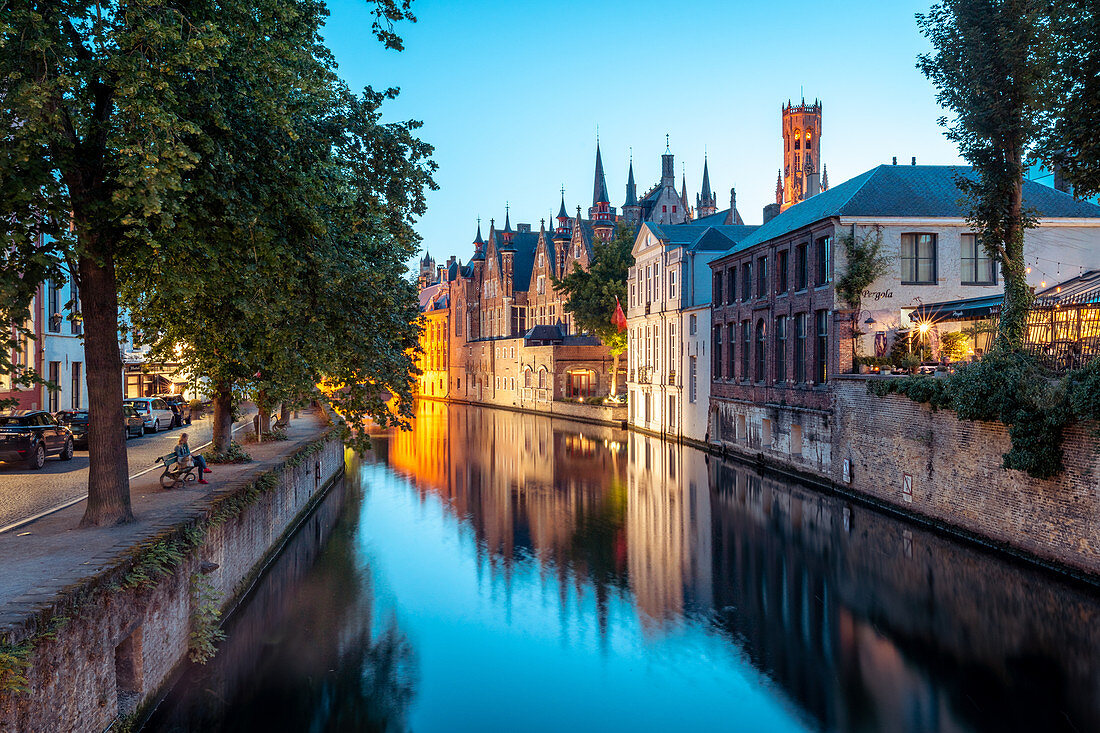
x: 668, y: 326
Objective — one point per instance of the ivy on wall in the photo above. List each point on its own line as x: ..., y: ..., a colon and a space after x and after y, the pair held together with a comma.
x: 1012, y: 388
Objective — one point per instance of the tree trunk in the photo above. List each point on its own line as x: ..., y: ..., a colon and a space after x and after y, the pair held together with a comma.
x: 614, y: 374
x: 223, y: 416
x: 1018, y: 295
x: 284, y: 413
x: 263, y: 406
x: 108, y: 471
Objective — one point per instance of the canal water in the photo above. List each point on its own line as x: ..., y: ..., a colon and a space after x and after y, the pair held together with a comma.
x: 493, y: 571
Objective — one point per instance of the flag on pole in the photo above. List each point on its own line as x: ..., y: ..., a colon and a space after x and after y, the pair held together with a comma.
x: 619, y: 319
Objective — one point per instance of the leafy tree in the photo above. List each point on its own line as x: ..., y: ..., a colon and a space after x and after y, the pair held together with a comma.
x: 865, y: 262
x: 1070, y: 144
x: 989, y: 63
x: 103, y: 130
x: 592, y: 293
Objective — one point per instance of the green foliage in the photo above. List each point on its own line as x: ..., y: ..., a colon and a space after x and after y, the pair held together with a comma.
x: 592, y: 292
x: 953, y: 345
x: 235, y: 454
x: 14, y: 663
x: 989, y: 63
x: 256, y: 211
x: 1069, y: 142
x: 206, y: 632
x: 866, y: 262
x: 154, y: 562
x: 1011, y: 388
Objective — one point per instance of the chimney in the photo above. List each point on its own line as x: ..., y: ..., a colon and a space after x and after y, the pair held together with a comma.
x: 914, y: 160
x: 441, y: 273
x: 770, y: 212
x: 895, y: 160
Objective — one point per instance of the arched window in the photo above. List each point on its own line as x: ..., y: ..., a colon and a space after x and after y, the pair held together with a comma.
x: 797, y: 138
x: 542, y: 378
x: 809, y: 137
x: 528, y: 377
x: 760, y: 334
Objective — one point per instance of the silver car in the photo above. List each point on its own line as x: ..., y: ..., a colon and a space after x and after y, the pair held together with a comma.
x: 153, y: 411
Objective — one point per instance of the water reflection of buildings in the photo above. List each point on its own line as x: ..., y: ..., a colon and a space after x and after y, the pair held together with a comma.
x: 864, y: 622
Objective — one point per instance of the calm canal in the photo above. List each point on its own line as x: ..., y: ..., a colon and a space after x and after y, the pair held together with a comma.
x: 491, y: 571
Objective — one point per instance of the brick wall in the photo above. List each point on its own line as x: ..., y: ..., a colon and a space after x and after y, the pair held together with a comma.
x: 955, y: 475
x: 118, y: 648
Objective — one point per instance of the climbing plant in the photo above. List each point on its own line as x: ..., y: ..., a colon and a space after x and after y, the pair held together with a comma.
x: 865, y: 262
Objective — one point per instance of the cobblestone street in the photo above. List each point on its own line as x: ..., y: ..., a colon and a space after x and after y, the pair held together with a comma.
x: 24, y: 493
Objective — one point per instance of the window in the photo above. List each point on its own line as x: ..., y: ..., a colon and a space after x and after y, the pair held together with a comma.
x: 760, y: 350
x: 580, y: 383
x: 671, y: 411
x: 716, y: 353
x: 664, y: 209
x: 918, y: 259
x: 781, y: 271
x: 977, y: 266
x: 800, y: 348
x: 731, y: 281
x: 781, y: 349
x: 746, y: 346
x: 800, y: 268
x: 528, y: 381
x: 54, y: 315
x: 821, y: 264
x: 821, y: 353
x: 55, y: 386
x: 76, y: 325
x: 674, y: 208
x: 540, y: 285
x: 718, y: 288
x: 672, y: 285
x: 732, y: 362
x: 762, y: 277
x: 746, y: 281
x: 692, y: 374
x: 693, y: 324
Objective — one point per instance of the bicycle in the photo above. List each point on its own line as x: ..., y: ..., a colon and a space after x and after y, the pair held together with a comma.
x: 174, y: 474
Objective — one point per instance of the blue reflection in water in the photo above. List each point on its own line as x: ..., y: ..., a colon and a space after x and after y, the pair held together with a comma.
x: 492, y: 571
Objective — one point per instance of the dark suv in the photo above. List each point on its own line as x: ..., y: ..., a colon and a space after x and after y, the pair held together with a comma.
x: 31, y: 435
x: 77, y: 422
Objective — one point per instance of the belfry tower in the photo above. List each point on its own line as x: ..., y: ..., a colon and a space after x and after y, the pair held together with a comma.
x: 801, y: 153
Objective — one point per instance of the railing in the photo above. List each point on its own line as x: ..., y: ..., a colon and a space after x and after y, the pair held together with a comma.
x: 644, y: 375
x: 672, y: 378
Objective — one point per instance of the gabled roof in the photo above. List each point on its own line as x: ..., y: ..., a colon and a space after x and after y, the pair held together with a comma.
x: 717, y: 218
x: 909, y: 191
x: 711, y: 240
x: 525, y: 244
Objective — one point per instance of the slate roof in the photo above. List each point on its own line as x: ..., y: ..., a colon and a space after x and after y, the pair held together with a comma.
x: 525, y: 244
x: 894, y: 191
x: 703, y: 238
x: 717, y: 218
x: 544, y: 333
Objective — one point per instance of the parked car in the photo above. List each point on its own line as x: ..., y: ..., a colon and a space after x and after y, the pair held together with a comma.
x: 31, y: 435
x: 179, y: 406
x: 154, y: 411
x: 77, y: 423
x: 134, y: 423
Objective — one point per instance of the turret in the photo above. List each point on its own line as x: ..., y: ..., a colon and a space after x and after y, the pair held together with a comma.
x: 601, y: 210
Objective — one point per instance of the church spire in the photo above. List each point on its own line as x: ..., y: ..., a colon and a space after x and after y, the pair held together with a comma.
x: 706, y: 179
x: 507, y: 222
x: 599, y: 186
x: 824, y: 178
x: 779, y: 188
x: 478, y: 241
x: 631, y: 189
x: 684, y: 194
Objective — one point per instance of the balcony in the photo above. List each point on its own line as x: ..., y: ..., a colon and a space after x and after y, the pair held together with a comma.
x: 644, y: 375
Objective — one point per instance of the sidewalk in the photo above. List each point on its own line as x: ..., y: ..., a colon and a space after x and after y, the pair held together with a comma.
x: 50, y: 554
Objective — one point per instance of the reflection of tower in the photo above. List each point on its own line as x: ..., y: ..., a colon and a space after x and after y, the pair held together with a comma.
x: 801, y: 153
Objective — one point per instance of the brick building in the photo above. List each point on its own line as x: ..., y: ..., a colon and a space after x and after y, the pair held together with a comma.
x: 779, y: 333
x: 511, y: 341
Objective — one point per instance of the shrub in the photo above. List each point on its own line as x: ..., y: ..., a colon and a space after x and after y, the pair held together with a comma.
x: 235, y: 454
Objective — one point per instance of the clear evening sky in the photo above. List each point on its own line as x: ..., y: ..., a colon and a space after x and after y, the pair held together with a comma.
x: 511, y: 93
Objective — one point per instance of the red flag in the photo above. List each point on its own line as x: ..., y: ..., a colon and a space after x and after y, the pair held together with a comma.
x: 619, y: 319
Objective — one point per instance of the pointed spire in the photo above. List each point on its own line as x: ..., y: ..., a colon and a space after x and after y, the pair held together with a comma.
x: 479, y: 240
x: 706, y: 180
x: 824, y: 178
x: 684, y: 188
x: 631, y: 189
x: 599, y: 186
x: 562, y: 213
x: 779, y: 187
x: 507, y: 223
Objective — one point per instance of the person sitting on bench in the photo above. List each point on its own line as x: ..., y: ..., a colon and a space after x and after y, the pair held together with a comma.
x: 183, y: 454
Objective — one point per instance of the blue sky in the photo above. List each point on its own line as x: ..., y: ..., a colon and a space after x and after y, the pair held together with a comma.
x: 511, y: 93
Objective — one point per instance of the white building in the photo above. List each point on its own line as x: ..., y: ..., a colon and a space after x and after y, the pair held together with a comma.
x: 668, y: 326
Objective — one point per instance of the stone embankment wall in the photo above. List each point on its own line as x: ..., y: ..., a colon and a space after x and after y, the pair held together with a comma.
x: 948, y: 470
x: 107, y: 647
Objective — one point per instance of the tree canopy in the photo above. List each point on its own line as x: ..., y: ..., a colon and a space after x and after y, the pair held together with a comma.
x: 136, y: 134
x: 989, y: 63
x: 592, y: 292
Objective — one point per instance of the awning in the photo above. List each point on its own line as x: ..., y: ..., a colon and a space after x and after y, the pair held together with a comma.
x: 959, y: 310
